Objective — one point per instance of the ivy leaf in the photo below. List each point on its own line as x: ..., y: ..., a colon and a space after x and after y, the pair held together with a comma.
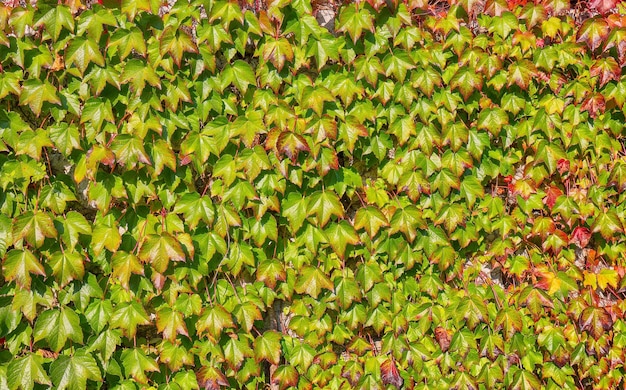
x: 176, y: 42
x: 325, y: 204
x: 277, y: 51
x: 24, y: 372
x: 127, y: 316
x: 127, y: 42
x: 18, y: 266
x: 97, y: 111
x: 311, y: 281
x: 240, y: 74
x: 492, y: 120
x: 129, y: 150
x: 83, y: 51
x: 73, y: 225
x: 347, y: 291
x: 170, y: 323
x: 291, y: 144
x: 213, y: 321
x: 137, y: 364
x: 72, y: 372
x: 294, y: 207
x: 158, y: 250
x: 67, y: 266
x: 607, y: 68
x: 504, y: 24
x: 510, y: 321
x: 98, y: 314
x: 138, y: 74
x: 521, y: 73
x: 593, y: 31
x: 371, y: 219
x: 340, y: 235
x: 466, y: 80
x: 35, y: 93
x: 608, y: 224
x: 525, y: 380
x: 267, y: 346
x: 56, y: 326
x: 285, y: 376
x: 354, y: 20
x: 195, y: 208
x: 269, y: 271
x: 596, y: 321
x: 226, y: 12
x: 55, y: 20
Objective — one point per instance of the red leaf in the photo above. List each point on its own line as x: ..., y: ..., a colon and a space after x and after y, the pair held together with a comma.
x: 596, y: 321
x: 292, y: 144
x: 602, y: 6
x: 563, y: 166
x: 580, y: 236
x: 593, y: 31
x: 593, y: 105
x: 443, y: 338
x: 389, y: 374
x: 551, y: 195
x: 607, y: 68
x: 210, y: 378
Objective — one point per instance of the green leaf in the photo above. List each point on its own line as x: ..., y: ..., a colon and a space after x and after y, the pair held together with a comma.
x: 311, y: 281
x: 466, y: 80
x: 55, y: 20
x: 213, y: 321
x: 354, y: 21
x: 240, y: 74
x: 340, y: 235
x: 35, y: 93
x: 226, y: 12
x: 171, y: 323
x: 137, y: 364
x: 492, y: 120
x: 504, y: 24
x: 277, y: 51
x: 67, y: 266
x: 56, y: 327
x: 325, y: 204
x: 370, y: 219
x: 138, y: 73
x: 72, y: 372
x: 129, y: 150
x: 18, y: 266
x: 98, y: 314
x: 267, y: 347
x: 97, y: 111
x: 270, y: 271
x: 158, y: 250
x: 73, y: 225
x: 24, y: 372
x: 127, y: 42
x: 471, y: 189
x: 83, y: 51
x: 127, y: 316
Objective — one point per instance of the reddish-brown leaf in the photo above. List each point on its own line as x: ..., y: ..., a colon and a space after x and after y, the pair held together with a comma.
x: 596, y: 321
x: 390, y: 375
x: 210, y: 378
x: 443, y: 338
x: 580, y: 236
x: 291, y: 144
x: 563, y: 166
x: 552, y: 193
x: 607, y: 68
x: 593, y: 31
x: 594, y: 105
x: 602, y: 6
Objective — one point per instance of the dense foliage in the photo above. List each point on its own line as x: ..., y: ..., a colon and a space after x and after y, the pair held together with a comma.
x: 217, y: 197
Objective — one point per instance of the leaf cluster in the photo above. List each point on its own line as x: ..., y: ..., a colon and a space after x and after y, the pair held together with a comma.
x: 213, y: 197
